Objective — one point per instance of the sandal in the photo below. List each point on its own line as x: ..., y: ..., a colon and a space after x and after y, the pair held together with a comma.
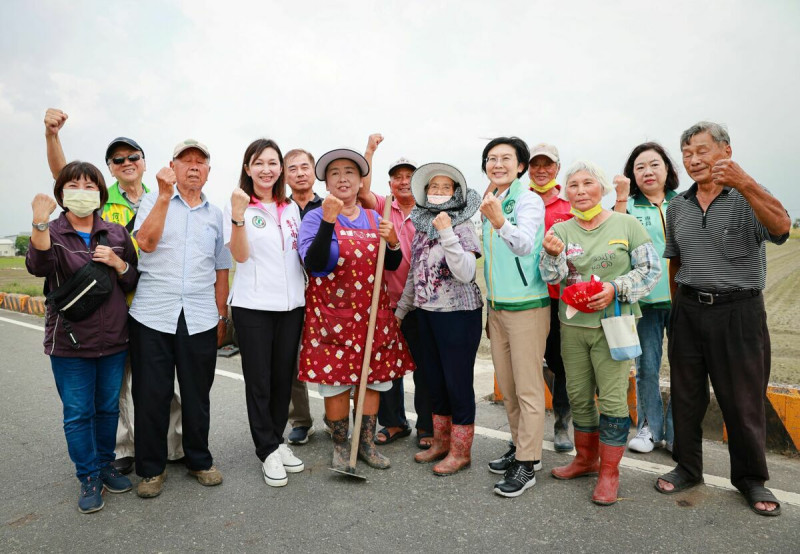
x: 679, y: 480
x: 424, y: 435
x: 389, y: 438
x: 760, y: 493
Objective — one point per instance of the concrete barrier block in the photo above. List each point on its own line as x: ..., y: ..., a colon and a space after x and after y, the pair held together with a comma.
x: 35, y: 305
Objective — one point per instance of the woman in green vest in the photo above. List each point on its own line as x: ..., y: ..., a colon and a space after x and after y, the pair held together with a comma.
x: 644, y: 191
x: 617, y: 249
x: 519, y: 307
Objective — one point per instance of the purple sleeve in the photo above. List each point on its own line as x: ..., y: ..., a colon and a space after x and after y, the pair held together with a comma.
x: 468, y: 238
x: 40, y: 263
x: 308, y: 230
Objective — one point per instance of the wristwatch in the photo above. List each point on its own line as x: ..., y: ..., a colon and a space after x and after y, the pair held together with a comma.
x: 238, y: 223
x: 225, y: 319
x: 41, y: 226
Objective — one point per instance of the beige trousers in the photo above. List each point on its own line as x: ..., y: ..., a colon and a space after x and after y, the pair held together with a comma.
x: 125, y: 446
x: 518, y: 341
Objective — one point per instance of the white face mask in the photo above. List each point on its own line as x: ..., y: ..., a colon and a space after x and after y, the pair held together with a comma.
x: 438, y: 199
x: 81, y: 202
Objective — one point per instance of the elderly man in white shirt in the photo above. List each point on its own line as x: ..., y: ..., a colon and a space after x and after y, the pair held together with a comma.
x: 178, y: 315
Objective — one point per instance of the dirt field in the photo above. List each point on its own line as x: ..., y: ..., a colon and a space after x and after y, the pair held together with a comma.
x: 782, y: 299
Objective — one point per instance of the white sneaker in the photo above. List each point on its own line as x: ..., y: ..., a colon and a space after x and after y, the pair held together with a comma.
x: 291, y: 463
x: 643, y: 441
x: 273, y: 470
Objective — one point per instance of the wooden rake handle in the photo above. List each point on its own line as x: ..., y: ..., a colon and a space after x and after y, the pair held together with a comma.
x: 373, y: 315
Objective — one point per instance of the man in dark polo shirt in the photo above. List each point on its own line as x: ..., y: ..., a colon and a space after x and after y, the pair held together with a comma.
x: 299, y: 171
x: 716, y: 234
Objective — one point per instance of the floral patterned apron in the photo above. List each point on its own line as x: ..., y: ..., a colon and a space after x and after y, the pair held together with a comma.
x: 337, y: 316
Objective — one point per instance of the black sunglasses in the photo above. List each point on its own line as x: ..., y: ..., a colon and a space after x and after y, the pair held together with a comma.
x: 121, y: 160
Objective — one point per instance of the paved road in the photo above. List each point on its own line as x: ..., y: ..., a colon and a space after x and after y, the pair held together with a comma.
x: 404, y: 509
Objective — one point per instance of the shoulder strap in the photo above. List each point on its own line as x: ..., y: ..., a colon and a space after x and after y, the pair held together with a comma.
x: 129, y: 225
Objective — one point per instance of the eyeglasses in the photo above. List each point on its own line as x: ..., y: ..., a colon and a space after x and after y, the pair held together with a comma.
x: 133, y: 158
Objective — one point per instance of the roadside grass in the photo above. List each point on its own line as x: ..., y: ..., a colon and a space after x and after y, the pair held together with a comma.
x: 14, y: 278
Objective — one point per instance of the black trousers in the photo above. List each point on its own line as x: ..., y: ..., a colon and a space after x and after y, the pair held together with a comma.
x: 552, y: 355
x: 155, y: 357
x: 728, y: 343
x: 392, y: 408
x: 449, y: 342
x: 268, y: 342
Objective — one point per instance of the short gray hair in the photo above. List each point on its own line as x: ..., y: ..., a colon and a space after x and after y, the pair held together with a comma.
x: 718, y: 132
x: 592, y: 170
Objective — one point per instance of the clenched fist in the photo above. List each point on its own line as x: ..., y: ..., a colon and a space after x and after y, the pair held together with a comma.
x: 442, y: 221
x: 387, y: 232
x: 239, y: 202
x: 623, y: 186
x: 730, y: 174
x: 492, y: 209
x: 105, y: 255
x: 43, y: 206
x: 54, y: 120
x: 374, y: 140
x: 552, y: 244
x: 166, y: 182
x: 331, y: 208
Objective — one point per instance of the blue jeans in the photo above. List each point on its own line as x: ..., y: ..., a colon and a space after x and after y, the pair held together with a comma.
x: 649, y: 406
x: 89, y: 391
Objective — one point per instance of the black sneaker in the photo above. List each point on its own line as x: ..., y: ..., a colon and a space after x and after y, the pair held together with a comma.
x: 537, y: 466
x: 518, y: 478
x: 300, y: 434
x: 504, y: 462
x: 124, y: 465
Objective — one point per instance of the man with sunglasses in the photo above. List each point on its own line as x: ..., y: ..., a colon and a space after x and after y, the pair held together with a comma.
x: 126, y: 163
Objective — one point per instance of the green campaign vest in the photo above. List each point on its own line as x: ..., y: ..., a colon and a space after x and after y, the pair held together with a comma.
x: 654, y: 220
x: 512, y: 282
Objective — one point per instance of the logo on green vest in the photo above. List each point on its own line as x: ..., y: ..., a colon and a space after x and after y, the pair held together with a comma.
x: 259, y: 222
x: 508, y: 208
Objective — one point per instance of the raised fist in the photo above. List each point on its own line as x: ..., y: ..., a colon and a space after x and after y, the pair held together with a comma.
x: 166, y: 181
x: 239, y: 202
x: 54, y: 119
x: 43, y: 206
x: 442, y: 221
x: 331, y: 208
x: 623, y: 186
x: 552, y: 244
x: 492, y: 210
x: 374, y: 140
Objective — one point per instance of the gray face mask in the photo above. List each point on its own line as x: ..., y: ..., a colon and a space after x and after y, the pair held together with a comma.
x: 81, y: 202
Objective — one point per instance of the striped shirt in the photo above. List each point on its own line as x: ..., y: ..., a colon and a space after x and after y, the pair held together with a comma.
x: 721, y: 249
x: 181, y: 272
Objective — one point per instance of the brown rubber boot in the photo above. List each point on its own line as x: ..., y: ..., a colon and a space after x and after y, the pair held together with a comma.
x: 586, y: 461
x: 605, y: 492
x: 366, y: 444
x: 460, y: 448
x: 441, y: 441
x: 341, y: 451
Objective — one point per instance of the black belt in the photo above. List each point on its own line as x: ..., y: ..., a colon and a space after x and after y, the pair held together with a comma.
x: 709, y: 298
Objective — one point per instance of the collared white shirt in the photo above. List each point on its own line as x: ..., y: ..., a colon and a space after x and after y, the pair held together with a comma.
x: 181, y: 272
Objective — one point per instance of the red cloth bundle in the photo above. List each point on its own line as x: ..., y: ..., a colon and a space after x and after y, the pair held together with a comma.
x: 578, y: 295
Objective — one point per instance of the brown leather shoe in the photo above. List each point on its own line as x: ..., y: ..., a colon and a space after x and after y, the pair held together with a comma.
x: 150, y: 487
x: 208, y: 477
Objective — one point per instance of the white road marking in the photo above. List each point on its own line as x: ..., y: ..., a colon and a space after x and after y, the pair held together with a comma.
x: 22, y: 324
x: 785, y: 497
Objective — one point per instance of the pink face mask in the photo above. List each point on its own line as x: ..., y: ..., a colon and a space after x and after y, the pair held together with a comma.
x: 437, y: 199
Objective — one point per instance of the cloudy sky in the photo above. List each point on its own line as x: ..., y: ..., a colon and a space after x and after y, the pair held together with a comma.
x: 436, y: 78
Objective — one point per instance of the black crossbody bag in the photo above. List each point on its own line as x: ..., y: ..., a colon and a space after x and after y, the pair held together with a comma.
x: 80, y: 295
